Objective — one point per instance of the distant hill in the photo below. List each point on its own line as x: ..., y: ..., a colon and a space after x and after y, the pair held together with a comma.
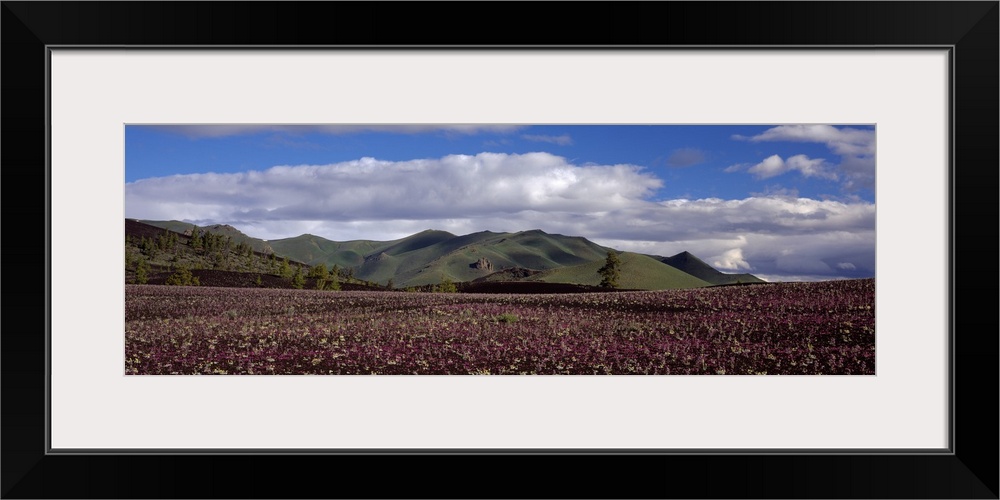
x: 638, y: 272
x: 217, y: 257
x: 430, y: 257
x: 317, y: 250
x: 694, y: 266
x: 257, y: 244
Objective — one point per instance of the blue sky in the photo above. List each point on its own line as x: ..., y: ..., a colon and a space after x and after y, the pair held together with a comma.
x: 750, y: 198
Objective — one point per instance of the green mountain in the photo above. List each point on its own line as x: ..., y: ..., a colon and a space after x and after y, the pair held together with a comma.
x: 430, y: 257
x: 317, y: 250
x: 257, y: 244
x: 166, y: 249
x: 637, y: 272
x: 217, y: 256
x: 694, y: 266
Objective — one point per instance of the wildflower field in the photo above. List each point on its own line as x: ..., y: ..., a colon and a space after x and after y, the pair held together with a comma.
x: 775, y: 328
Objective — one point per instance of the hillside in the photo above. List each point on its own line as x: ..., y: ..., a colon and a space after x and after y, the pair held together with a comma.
x: 430, y: 256
x: 418, y: 261
x: 637, y: 271
x: 694, y: 266
x: 153, y: 255
x: 237, y: 236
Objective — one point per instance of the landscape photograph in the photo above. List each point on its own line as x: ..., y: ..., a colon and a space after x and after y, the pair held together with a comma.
x: 499, y: 249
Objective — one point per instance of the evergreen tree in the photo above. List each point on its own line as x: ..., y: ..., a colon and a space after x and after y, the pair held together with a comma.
x: 298, y: 280
x: 611, y: 272
x: 182, y: 277
x: 130, y: 256
x: 148, y: 247
x: 319, y: 272
x: 219, y: 261
x: 196, y: 239
x: 167, y: 240
x: 142, y: 271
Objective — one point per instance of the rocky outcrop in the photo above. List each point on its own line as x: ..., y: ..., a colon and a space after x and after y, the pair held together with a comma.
x: 377, y: 257
x: 483, y: 264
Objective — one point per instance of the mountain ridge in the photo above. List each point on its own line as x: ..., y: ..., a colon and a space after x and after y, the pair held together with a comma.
x: 432, y: 256
x: 689, y: 263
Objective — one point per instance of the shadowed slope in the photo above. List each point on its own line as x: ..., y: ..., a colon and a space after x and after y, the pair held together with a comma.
x: 696, y: 267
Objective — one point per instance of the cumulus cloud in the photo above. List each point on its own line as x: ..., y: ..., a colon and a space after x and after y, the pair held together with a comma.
x: 369, y: 189
x: 227, y: 130
x: 855, y: 147
x: 560, y: 140
x: 777, y: 191
x: 808, y: 167
x: 775, y: 234
x: 731, y: 260
x: 842, y: 141
x: 685, y: 157
x: 772, y: 257
x: 770, y: 167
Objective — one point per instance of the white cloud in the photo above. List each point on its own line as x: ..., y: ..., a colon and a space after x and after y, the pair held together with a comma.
x: 560, y: 140
x: 855, y: 147
x: 774, y: 165
x: 770, y: 167
x: 810, y: 167
x: 846, y: 265
x: 771, y: 235
x: 368, y: 189
x: 609, y: 204
x: 772, y: 257
x: 777, y: 191
x: 731, y: 260
x: 843, y: 141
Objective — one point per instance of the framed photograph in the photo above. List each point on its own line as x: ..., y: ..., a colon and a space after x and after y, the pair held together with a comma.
x: 486, y: 249
x: 827, y: 155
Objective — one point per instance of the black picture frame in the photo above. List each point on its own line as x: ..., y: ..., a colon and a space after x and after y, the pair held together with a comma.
x: 970, y: 470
